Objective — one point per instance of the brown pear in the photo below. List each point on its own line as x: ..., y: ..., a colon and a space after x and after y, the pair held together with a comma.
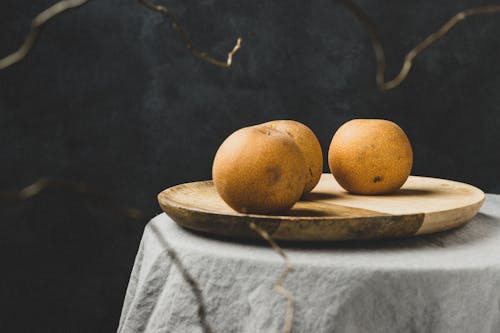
x: 259, y: 170
x: 308, y: 143
x: 370, y: 156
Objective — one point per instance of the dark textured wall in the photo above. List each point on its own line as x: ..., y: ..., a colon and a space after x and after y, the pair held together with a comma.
x: 111, y: 96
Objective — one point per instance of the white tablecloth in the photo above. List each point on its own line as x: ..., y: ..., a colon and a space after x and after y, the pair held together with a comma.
x: 448, y: 282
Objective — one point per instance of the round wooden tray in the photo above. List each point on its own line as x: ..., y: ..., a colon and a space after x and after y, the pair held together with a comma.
x: 422, y: 206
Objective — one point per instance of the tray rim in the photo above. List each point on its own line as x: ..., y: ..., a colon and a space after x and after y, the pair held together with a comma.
x: 323, y: 227
x: 291, y: 217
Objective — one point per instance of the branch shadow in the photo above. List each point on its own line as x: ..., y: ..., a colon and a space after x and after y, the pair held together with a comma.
x: 193, y: 285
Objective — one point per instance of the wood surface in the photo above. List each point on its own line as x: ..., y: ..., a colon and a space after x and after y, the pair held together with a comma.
x: 423, y: 205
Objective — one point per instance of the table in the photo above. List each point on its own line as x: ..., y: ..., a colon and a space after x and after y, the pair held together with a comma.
x: 448, y: 282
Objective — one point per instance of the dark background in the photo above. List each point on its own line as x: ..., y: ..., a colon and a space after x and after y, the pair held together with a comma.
x: 110, y: 96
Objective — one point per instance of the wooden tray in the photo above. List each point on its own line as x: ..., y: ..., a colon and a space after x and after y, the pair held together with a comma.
x: 422, y: 206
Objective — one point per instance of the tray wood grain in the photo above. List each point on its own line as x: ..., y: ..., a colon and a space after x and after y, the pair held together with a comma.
x: 423, y: 205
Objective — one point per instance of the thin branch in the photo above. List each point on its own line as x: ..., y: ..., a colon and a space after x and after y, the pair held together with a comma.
x: 36, y: 25
x: 44, y: 184
x: 188, y: 278
x: 63, y: 5
x: 287, y: 326
x: 372, y: 30
x: 187, y: 40
x: 378, y: 48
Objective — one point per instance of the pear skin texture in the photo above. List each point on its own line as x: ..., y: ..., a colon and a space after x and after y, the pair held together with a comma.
x: 308, y: 143
x: 370, y: 156
x: 259, y: 170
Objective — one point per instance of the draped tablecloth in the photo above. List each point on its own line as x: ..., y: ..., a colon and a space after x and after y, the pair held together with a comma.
x: 448, y: 282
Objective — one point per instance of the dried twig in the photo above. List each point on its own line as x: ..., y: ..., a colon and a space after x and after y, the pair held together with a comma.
x: 36, y: 25
x: 187, y: 40
x: 188, y: 278
x: 43, y: 184
x: 64, y: 5
x: 287, y: 326
x: 378, y: 48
